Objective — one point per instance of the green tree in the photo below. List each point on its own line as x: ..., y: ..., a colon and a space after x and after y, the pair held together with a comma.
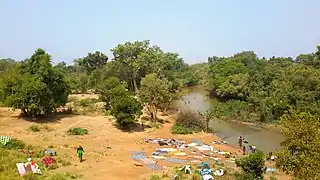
x: 93, y: 61
x: 127, y: 62
x: 125, y: 109
x: 110, y: 88
x: 252, y: 166
x: 300, y: 152
x: 35, y: 86
x: 154, y: 92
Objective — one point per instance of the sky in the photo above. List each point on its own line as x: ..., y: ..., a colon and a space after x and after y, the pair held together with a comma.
x: 194, y: 29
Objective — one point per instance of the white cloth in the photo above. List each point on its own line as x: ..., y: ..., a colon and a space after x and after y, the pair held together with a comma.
x: 207, y: 177
x: 21, y: 169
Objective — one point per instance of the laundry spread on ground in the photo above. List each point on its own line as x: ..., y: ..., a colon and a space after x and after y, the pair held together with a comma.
x: 4, y: 140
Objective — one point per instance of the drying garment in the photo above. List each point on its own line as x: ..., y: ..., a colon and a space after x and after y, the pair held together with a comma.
x: 21, y: 169
x: 207, y: 177
x: 4, y: 139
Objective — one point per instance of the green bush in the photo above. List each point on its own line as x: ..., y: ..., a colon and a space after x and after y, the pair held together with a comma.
x: 232, y: 109
x: 34, y: 128
x: 188, y: 122
x: 179, y: 129
x: 78, y: 131
x: 252, y: 166
x: 14, y: 144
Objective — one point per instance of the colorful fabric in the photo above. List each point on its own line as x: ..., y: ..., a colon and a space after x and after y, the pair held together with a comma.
x: 21, y: 169
x: 80, y: 153
x: 4, y: 139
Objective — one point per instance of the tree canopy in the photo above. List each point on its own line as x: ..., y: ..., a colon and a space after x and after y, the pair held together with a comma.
x: 34, y: 86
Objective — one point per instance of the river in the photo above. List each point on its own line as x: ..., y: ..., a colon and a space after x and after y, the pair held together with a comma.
x: 264, y: 139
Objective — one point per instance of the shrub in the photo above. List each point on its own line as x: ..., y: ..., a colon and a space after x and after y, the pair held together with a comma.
x: 188, y: 122
x: 78, y: 131
x: 14, y: 144
x: 252, y: 166
x: 34, y: 128
x: 155, y: 177
x: 178, y: 129
x: 47, y: 128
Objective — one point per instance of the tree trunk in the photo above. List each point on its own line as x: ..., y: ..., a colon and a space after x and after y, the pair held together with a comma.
x: 135, y: 87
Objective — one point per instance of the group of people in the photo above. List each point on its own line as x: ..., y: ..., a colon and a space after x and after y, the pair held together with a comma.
x: 241, y: 141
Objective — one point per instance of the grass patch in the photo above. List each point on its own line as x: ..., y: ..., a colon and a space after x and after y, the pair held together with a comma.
x: 155, y: 177
x: 47, y: 128
x: 38, y: 128
x: 86, y: 107
x: 35, y: 128
x: 13, y: 144
x: 9, y: 156
x: 63, y: 176
x: 179, y: 129
x: 78, y: 131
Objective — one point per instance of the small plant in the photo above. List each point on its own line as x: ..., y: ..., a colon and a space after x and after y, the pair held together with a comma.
x: 47, y: 128
x: 63, y: 162
x: 78, y: 131
x: 155, y: 177
x: 34, y: 128
x: 187, y: 123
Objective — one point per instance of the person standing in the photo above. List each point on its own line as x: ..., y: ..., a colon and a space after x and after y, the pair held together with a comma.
x: 240, y: 141
x: 244, y: 150
x: 80, y: 152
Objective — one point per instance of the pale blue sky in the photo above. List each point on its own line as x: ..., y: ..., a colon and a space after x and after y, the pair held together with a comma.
x: 69, y: 29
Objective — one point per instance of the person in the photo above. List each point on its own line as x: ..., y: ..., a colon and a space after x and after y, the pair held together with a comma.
x: 80, y: 152
x: 244, y: 150
x: 240, y: 141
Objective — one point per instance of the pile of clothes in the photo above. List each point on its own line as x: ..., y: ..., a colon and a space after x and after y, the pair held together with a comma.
x: 165, y: 142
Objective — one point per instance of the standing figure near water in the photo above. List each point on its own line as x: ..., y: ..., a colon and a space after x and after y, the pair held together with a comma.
x: 240, y: 141
x: 80, y: 152
x: 244, y: 150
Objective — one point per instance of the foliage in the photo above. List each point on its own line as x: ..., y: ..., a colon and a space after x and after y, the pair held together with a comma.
x: 155, y: 92
x: 14, y: 144
x: 155, y: 177
x: 125, y: 109
x: 300, y: 152
x: 270, y: 87
x: 34, y: 128
x: 92, y: 61
x: 232, y: 110
x: 34, y: 86
x: 78, y: 131
x: 252, y: 166
x: 188, y: 122
x: 110, y: 87
x: 179, y: 129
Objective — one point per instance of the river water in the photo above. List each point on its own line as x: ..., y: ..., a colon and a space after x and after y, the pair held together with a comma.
x: 265, y: 139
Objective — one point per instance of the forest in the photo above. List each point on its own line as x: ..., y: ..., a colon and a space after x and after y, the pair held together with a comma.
x: 248, y: 88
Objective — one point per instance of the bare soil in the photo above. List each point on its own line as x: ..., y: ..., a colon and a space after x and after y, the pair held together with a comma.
x: 107, y: 149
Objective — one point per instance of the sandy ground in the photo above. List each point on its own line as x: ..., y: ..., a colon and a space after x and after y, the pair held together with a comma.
x: 100, y: 162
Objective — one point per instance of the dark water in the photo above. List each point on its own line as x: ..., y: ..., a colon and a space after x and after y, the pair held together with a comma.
x: 264, y: 139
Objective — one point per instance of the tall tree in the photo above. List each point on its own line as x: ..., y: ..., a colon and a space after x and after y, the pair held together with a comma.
x: 300, y: 152
x: 35, y: 86
x: 126, y: 57
x: 155, y: 92
x: 93, y: 61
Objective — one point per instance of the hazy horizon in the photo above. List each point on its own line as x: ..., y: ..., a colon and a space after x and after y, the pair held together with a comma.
x: 196, y: 30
